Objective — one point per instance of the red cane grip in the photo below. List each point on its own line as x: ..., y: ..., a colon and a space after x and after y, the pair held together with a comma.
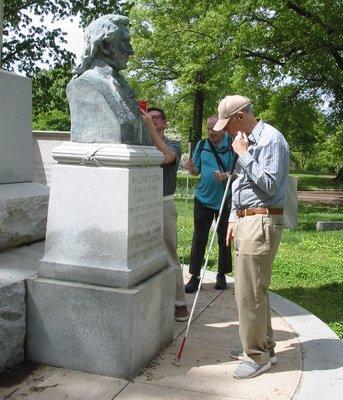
x: 181, y: 348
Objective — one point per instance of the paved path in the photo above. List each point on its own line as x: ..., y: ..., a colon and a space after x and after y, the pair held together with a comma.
x: 205, y: 371
x: 310, y: 360
x: 321, y: 196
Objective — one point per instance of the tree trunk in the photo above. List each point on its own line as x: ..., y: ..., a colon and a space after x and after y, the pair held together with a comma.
x: 198, y: 109
x: 339, y: 177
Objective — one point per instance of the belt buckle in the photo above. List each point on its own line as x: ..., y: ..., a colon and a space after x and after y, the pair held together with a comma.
x: 267, y: 211
x: 245, y: 211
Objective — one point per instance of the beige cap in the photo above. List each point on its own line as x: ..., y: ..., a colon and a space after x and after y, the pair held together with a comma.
x: 227, y: 107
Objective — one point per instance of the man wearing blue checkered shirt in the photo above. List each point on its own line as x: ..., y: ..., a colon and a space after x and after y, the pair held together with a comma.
x: 255, y: 226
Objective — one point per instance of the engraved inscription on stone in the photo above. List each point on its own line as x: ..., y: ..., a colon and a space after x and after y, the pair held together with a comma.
x: 145, y: 216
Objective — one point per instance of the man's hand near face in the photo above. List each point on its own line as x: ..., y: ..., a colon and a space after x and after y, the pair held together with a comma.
x: 241, y: 143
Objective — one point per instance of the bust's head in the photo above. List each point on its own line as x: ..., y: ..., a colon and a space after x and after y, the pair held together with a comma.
x: 108, y: 39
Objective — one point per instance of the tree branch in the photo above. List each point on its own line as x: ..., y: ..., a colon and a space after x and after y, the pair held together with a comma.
x: 308, y: 15
x: 194, y: 31
x: 263, y: 56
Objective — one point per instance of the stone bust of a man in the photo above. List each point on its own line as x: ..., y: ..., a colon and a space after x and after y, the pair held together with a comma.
x: 102, y: 106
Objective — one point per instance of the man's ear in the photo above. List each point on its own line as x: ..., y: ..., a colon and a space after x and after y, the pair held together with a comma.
x: 104, y: 47
x: 240, y: 115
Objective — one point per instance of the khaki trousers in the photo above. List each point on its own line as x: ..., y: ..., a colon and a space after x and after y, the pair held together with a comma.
x: 257, y: 239
x: 170, y: 242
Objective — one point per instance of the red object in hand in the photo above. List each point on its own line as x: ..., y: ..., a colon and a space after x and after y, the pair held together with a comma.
x: 143, y: 104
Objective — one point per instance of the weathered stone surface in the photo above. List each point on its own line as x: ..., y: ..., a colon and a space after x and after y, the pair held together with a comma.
x: 23, y: 213
x: 16, y: 164
x: 104, y: 225
x: 43, y: 144
x: 99, y: 329
x: 329, y: 225
x: 12, y: 323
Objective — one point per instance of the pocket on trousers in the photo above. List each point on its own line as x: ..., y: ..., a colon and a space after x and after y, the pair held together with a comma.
x: 252, y: 236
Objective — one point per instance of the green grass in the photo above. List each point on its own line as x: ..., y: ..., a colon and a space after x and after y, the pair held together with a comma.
x: 308, y: 268
x: 310, y: 181
x: 317, y: 181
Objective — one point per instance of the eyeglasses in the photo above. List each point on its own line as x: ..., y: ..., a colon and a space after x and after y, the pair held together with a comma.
x: 157, y: 117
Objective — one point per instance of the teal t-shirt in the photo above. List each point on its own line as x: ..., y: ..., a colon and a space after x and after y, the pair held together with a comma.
x: 208, y: 191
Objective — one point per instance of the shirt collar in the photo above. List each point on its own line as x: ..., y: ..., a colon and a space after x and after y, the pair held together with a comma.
x: 256, y: 132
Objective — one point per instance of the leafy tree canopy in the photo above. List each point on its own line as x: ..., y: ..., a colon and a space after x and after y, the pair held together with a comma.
x: 25, y: 42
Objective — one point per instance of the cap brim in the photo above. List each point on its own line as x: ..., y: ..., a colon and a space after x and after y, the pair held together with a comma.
x: 220, y: 124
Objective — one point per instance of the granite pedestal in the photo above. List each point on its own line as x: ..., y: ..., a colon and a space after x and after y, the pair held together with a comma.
x: 104, y: 298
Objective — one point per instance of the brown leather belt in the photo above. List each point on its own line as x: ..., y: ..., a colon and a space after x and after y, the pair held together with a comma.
x: 254, y: 211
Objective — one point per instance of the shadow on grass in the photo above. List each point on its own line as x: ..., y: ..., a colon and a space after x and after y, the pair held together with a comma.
x: 323, y: 301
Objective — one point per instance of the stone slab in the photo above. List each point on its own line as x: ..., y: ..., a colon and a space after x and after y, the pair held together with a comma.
x: 99, y: 329
x: 12, y: 323
x: 322, y: 370
x: 51, y: 383
x: 16, y: 162
x: 329, y: 225
x: 206, y: 368
x: 20, y: 263
x: 141, y: 391
x: 23, y: 213
x: 43, y: 144
x: 104, y: 225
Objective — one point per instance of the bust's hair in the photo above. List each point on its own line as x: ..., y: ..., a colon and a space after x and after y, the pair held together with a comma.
x: 102, y: 28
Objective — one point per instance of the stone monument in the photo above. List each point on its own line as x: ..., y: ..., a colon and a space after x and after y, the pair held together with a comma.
x: 23, y: 204
x: 104, y: 298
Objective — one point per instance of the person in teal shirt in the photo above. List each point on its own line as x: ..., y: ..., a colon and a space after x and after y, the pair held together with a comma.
x: 209, y: 192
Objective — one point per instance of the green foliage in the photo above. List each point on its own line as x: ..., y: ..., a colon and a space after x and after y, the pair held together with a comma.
x: 176, y: 42
x: 298, y: 118
x: 53, y: 120
x: 301, y: 41
x: 49, y: 89
x: 50, y: 100
x: 26, y: 42
x: 328, y: 154
x: 317, y: 181
x: 285, y: 55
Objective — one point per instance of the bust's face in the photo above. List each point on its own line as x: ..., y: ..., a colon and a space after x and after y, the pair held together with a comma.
x: 118, y: 48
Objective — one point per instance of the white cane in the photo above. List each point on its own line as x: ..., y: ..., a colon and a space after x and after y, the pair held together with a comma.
x: 228, y: 184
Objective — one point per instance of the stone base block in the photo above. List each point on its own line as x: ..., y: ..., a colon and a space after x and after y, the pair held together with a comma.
x: 23, y: 213
x: 12, y: 323
x: 329, y: 225
x: 99, y: 329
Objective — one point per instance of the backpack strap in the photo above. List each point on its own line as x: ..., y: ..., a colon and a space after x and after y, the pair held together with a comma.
x: 218, y: 159
x: 200, y: 149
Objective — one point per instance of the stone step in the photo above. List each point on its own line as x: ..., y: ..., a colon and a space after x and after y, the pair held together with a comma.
x: 15, y: 266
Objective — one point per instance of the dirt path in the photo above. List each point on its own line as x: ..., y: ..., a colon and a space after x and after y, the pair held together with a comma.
x: 321, y: 196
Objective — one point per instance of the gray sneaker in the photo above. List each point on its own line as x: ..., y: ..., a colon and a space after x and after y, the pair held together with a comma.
x: 249, y: 369
x: 237, y: 354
